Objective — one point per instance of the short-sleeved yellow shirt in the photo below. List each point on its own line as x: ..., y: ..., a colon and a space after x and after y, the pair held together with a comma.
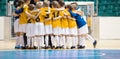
x: 23, y: 16
x: 57, y: 22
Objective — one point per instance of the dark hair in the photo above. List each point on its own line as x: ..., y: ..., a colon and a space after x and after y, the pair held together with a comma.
x: 46, y: 3
x: 18, y: 3
x: 75, y: 3
x: 70, y: 7
x: 26, y: 1
x: 31, y: 6
x: 61, y: 3
x: 55, y: 4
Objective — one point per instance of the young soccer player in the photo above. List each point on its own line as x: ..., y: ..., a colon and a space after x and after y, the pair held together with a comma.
x: 39, y: 27
x: 30, y: 28
x: 71, y: 40
x: 16, y: 23
x: 56, y: 24
x: 47, y: 22
x: 82, y: 28
x: 64, y: 24
x: 23, y: 20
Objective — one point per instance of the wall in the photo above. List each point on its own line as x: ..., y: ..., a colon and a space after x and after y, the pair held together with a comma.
x: 1, y: 28
x: 5, y: 26
x: 107, y: 27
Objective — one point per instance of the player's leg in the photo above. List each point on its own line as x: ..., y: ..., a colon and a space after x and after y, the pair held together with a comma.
x: 74, y: 38
x: 22, y: 30
x: 41, y: 33
x: 82, y: 36
x: 46, y: 36
x: 16, y: 30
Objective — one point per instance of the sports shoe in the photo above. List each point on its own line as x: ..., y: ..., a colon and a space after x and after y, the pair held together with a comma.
x: 17, y: 47
x: 95, y: 43
x: 81, y: 47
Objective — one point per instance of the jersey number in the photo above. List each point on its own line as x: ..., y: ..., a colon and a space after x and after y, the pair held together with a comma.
x: 56, y: 14
x: 47, y: 16
x: 37, y: 19
x: 29, y: 21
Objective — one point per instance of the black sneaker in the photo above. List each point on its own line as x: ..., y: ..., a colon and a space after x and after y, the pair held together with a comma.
x: 53, y: 47
x: 73, y: 47
x: 46, y: 47
x: 62, y: 47
x: 24, y: 47
x: 95, y: 43
x: 58, y: 47
x: 81, y: 47
x: 35, y: 47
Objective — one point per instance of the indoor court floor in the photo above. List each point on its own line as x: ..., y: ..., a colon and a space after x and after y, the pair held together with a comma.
x: 106, y: 49
x: 60, y: 54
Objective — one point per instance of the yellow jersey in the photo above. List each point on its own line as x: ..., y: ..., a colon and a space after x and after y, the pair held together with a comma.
x: 42, y: 16
x: 31, y: 20
x: 64, y: 21
x: 57, y: 22
x: 71, y: 22
x: 23, y: 16
x: 46, y: 9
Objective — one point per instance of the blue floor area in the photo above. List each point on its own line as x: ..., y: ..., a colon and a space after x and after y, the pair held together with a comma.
x: 60, y: 54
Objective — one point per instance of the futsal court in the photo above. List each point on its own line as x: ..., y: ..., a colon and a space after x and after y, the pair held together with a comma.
x: 102, y: 51
x: 60, y: 54
x: 105, y: 30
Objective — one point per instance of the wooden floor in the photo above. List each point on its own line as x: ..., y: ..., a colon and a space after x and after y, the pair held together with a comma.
x: 102, y: 44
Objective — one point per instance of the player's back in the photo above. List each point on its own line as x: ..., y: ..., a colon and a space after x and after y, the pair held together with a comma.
x: 23, y: 16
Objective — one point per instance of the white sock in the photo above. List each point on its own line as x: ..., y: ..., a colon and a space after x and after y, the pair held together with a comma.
x: 90, y: 38
x: 53, y: 40
x: 82, y: 41
x: 57, y: 40
x: 38, y: 41
x: 46, y: 40
x: 28, y: 41
x: 32, y: 43
x: 68, y: 42
x: 17, y: 41
x: 76, y: 41
x: 73, y: 41
x: 63, y: 40
x: 42, y: 41
x: 21, y: 40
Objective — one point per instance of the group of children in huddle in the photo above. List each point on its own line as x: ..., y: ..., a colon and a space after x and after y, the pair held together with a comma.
x: 63, y: 23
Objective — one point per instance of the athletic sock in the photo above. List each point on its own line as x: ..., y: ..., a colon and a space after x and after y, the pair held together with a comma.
x: 82, y: 41
x: 28, y: 41
x: 53, y: 40
x: 21, y: 40
x: 32, y: 42
x: 46, y: 40
x: 57, y: 40
x: 90, y: 38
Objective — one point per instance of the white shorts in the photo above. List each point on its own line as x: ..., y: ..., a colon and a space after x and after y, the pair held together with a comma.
x: 39, y: 28
x: 48, y: 29
x: 57, y: 31
x: 65, y: 31
x: 73, y: 31
x: 83, y: 30
x: 30, y: 30
x: 16, y: 25
x: 22, y: 28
